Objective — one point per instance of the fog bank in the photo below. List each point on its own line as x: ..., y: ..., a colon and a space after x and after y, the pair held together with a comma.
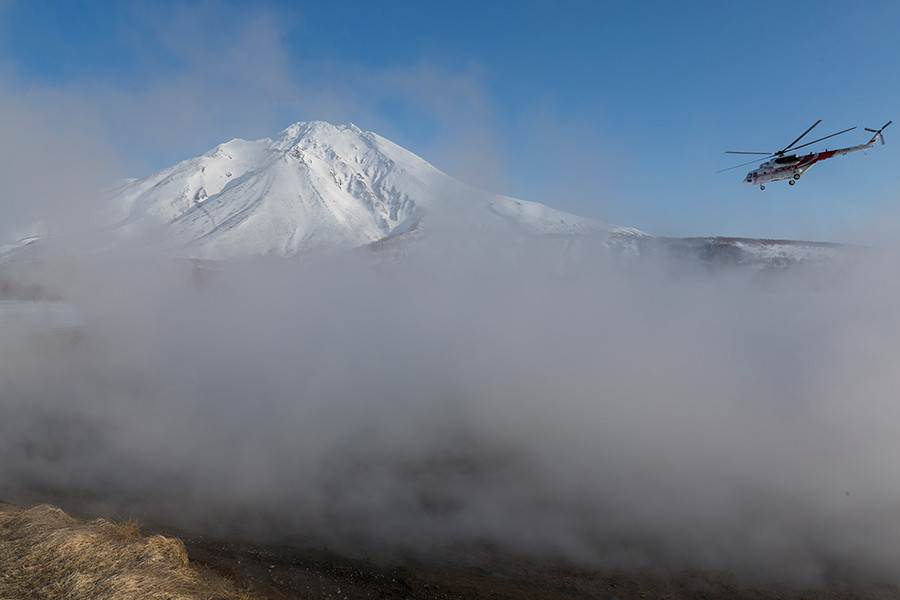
x: 640, y: 416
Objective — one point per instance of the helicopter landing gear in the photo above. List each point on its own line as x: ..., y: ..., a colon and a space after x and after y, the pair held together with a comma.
x: 762, y: 187
x: 792, y: 182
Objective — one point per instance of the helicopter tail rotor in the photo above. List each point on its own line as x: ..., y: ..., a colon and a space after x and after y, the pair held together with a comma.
x: 878, y: 133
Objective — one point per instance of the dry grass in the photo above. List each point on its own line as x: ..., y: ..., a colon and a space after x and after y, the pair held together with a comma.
x: 45, y: 553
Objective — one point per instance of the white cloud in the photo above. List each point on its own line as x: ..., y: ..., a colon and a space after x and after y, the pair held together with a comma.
x: 52, y: 163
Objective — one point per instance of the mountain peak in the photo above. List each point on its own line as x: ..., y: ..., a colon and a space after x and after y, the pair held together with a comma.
x: 319, y: 186
x: 320, y: 131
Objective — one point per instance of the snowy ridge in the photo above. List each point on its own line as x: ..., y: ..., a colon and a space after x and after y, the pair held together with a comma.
x: 318, y: 186
x: 761, y: 254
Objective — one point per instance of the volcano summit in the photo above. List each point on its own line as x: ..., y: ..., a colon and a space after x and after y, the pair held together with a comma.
x: 317, y: 186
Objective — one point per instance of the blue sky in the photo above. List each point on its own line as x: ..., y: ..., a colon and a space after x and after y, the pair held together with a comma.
x: 615, y: 110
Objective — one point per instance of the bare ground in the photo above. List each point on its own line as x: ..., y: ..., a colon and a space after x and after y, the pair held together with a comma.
x: 216, y: 568
x: 279, y: 573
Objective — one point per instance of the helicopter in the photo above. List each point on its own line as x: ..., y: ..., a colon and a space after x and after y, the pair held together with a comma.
x: 791, y: 166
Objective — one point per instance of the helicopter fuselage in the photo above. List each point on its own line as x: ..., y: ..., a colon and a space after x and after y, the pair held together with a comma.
x: 785, y: 167
x: 781, y: 165
x: 793, y: 166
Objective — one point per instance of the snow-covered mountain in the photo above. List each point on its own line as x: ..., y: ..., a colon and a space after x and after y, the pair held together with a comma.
x: 320, y: 187
x: 317, y: 186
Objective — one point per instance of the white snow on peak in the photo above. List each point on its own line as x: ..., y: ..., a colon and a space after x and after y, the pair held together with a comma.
x: 318, y: 186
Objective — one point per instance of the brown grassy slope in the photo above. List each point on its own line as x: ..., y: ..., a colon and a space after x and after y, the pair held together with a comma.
x: 45, y: 553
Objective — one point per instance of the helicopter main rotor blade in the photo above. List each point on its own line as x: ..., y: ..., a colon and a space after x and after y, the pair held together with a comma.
x: 824, y: 138
x: 788, y: 147
x: 742, y: 164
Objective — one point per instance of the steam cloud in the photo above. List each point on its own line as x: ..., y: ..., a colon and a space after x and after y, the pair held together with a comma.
x: 544, y: 399
x: 642, y: 415
x: 632, y: 415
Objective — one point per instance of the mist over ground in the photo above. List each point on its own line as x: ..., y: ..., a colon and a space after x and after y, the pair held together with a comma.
x: 636, y: 415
